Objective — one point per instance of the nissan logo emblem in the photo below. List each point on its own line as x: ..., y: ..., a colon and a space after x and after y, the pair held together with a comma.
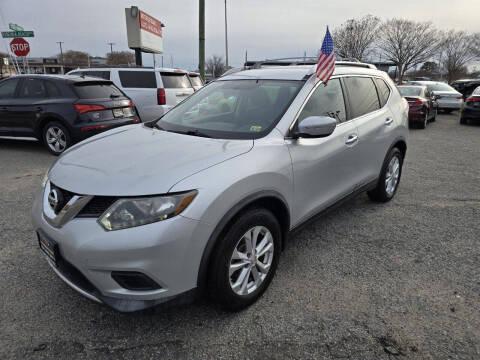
x: 54, y: 200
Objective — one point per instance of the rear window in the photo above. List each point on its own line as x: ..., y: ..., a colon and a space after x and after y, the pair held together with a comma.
x: 476, y: 91
x: 94, y: 90
x: 196, y: 81
x: 99, y: 74
x: 138, y: 79
x: 410, y: 90
x: 175, y: 80
x: 363, y: 95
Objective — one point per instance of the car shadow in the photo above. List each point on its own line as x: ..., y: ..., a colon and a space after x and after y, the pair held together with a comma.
x: 22, y: 145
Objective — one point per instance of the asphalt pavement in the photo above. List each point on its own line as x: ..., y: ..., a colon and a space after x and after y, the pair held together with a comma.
x: 367, y: 281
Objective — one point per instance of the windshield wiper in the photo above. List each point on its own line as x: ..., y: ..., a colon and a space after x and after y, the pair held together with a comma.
x: 195, y: 132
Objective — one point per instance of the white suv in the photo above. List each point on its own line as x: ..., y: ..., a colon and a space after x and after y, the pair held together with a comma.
x: 153, y: 91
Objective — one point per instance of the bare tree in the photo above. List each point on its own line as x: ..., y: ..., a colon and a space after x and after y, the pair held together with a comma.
x: 75, y: 58
x: 120, y: 58
x: 408, y: 43
x: 458, y: 49
x: 216, y: 66
x: 354, y: 38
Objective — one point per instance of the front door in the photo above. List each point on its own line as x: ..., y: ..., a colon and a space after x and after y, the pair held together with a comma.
x: 323, y: 168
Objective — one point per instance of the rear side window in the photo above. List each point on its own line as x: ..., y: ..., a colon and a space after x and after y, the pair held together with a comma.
x: 383, y: 91
x: 362, y: 95
x: 7, y: 88
x: 33, y: 88
x: 326, y: 101
x: 94, y: 90
x: 196, y: 81
x: 138, y: 79
x: 175, y: 80
x: 99, y: 74
x: 52, y: 89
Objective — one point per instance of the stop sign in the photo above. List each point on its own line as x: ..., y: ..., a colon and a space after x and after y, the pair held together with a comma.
x: 20, y: 47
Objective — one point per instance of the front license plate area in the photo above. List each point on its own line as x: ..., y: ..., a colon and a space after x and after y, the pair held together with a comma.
x: 49, y: 247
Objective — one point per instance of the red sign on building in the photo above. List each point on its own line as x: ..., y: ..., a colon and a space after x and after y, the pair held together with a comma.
x: 150, y: 24
x: 20, y: 47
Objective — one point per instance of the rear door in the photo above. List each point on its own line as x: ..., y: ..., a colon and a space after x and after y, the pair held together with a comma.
x: 177, y: 86
x: 375, y: 123
x: 7, y: 95
x: 28, y: 105
x: 141, y: 87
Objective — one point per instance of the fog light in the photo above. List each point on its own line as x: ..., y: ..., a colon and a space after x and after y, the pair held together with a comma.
x: 133, y: 280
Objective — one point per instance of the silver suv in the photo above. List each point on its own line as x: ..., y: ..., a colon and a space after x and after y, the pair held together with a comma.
x: 205, y: 197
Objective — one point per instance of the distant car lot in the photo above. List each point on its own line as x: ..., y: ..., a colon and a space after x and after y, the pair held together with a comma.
x: 364, y: 282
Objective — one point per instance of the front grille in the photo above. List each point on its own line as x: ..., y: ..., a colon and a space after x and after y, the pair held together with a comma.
x: 97, y: 206
x: 65, y: 197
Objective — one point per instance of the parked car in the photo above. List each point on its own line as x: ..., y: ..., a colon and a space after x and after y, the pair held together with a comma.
x: 204, y: 198
x: 471, y: 108
x: 195, y: 80
x: 422, y: 104
x: 448, y: 99
x: 154, y: 91
x: 61, y: 110
x: 466, y: 86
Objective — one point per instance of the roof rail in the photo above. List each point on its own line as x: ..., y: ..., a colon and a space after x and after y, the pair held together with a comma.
x: 304, y: 60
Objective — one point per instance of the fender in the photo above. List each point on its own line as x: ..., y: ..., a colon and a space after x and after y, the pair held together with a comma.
x: 44, y: 118
x: 214, y: 237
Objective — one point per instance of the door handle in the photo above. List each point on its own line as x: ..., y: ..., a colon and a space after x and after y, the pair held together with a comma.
x: 352, y: 139
x: 388, y: 121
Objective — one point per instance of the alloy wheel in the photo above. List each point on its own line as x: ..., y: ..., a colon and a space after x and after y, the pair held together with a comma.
x: 56, y: 139
x: 392, y: 176
x: 251, y: 260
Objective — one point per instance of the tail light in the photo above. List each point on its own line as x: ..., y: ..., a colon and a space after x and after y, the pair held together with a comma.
x: 473, y: 99
x: 416, y: 102
x: 161, y: 97
x: 84, y: 108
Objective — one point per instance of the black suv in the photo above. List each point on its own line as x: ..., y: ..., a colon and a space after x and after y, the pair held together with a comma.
x: 61, y: 110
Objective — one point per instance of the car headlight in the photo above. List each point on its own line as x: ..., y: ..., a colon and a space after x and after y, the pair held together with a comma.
x: 130, y: 212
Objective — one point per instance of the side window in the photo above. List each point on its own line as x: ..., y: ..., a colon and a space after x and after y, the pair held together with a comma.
x: 383, y: 91
x: 326, y: 101
x: 33, y: 88
x: 138, y: 79
x: 52, y: 89
x: 362, y: 95
x: 7, y: 88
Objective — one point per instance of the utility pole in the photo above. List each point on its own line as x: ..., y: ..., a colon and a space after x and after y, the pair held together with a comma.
x: 226, y: 37
x: 61, y: 56
x: 201, y: 39
x: 111, y: 47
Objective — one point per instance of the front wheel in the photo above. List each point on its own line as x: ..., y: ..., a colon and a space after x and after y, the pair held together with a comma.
x: 245, y: 260
x: 389, y: 177
x: 56, y: 137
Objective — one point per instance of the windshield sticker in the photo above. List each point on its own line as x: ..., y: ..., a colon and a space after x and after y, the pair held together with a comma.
x: 256, y: 128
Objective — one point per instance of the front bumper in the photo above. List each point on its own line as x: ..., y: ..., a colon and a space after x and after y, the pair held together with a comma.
x: 169, y: 252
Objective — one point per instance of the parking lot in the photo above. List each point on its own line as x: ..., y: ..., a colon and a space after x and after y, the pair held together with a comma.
x: 367, y: 281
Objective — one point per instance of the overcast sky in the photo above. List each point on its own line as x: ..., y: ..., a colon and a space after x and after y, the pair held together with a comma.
x: 266, y: 28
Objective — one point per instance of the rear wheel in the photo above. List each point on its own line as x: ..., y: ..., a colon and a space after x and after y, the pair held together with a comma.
x: 56, y: 137
x: 423, y: 124
x: 245, y: 260
x: 434, y: 117
x: 463, y: 121
x: 447, y: 111
x: 389, y: 177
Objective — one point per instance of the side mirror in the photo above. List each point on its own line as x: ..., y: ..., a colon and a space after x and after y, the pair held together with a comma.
x: 316, y: 127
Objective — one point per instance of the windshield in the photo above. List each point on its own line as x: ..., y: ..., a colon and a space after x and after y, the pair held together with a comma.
x: 232, y: 109
x: 410, y: 90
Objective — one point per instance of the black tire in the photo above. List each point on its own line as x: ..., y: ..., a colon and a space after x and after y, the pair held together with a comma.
x: 434, y: 117
x: 64, y: 136
x: 463, y: 121
x: 380, y: 194
x: 447, y: 111
x: 423, y: 124
x: 219, y: 278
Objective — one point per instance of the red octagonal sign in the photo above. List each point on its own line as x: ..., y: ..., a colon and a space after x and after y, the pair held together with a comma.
x: 20, y: 47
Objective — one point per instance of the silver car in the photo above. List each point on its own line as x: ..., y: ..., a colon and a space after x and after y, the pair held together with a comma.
x: 448, y: 99
x: 203, y: 200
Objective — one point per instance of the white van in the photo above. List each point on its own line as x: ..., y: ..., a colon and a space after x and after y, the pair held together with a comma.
x: 153, y: 91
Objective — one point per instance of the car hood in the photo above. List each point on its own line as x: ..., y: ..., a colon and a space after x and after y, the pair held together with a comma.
x: 138, y: 160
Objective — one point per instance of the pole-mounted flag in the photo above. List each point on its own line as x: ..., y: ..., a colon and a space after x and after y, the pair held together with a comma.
x: 326, y: 59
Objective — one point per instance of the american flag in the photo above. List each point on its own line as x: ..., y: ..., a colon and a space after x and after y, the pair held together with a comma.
x: 326, y: 60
